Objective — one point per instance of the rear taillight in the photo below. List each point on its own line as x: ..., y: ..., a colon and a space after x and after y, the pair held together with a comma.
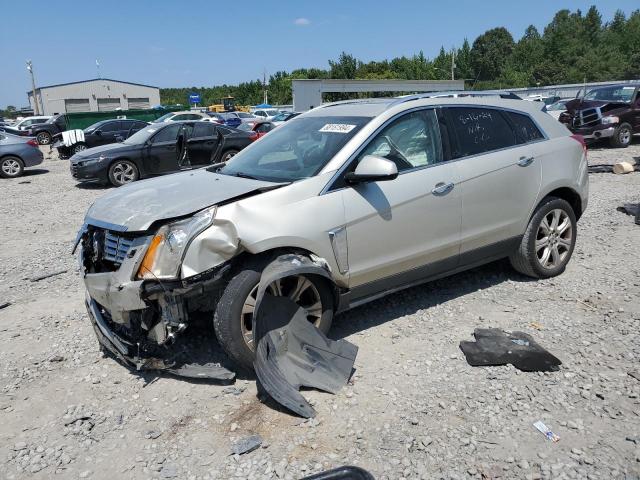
x: 580, y: 140
x: 32, y: 142
x: 253, y: 136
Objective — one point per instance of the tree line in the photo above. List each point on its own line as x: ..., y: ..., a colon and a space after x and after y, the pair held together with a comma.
x: 574, y: 47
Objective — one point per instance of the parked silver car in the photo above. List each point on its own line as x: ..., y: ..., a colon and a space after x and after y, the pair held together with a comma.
x: 16, y: 153
x: 362, y: 198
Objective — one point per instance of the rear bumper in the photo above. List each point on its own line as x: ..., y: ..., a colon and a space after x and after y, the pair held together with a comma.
x: 32, y: 157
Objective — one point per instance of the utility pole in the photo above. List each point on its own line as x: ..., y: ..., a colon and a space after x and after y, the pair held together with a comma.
x: 453, y: 63
x: 36, y: 107
x: 265, y: 97
x: 98, y: 68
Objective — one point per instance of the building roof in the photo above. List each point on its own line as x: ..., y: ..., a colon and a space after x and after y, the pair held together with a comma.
x: 91, y: 80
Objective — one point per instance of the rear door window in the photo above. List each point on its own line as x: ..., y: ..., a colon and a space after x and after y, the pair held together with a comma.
x: 477, y: 130
x: 526, y: 130
x: 111, y: 127
x: 168, y: 134
x: 204, y: 129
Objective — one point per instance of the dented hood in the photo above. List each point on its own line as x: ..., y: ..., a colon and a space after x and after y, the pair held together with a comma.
x: 136, y: 206
x: 605, y: 105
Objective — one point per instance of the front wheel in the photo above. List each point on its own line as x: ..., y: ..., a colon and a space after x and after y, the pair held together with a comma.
x: 11, y: 167
x: 622, y: 136
x: 232, y: 319
x: 549, y: 240
x: 79, y: 147
x: 122, y: 172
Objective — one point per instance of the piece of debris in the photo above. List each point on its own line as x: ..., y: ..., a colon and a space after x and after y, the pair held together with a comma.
x: 57, y: 358
x: 246, y: 445
x: 342, y: 473
x: 291, y: 352
x: 633, y: 439
x: 622, y: 168
x: 497, y: 347
x: 4, y: 305
x: 634, y: 374
x: 152, y: 434
x: 47, y: 275
x: 607, y: 168
x: 536, y: 325
x: 632, y: 209
x: 546, y: 431
x: 24, y: 181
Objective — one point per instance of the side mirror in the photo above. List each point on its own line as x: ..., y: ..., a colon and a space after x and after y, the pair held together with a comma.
x: 372, y: 169
x: 97, y: 132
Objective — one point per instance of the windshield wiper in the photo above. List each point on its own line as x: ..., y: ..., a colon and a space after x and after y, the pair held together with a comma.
x: 244, y: 175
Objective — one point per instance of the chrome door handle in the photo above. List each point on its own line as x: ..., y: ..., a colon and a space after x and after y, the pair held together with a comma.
x: 525, y: 161
x: 442, y: 188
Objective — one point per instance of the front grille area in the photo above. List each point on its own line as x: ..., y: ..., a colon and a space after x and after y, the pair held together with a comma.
x: 115, y: 247
x: 588, y: 116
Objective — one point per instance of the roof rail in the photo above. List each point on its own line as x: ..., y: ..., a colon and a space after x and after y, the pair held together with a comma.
x: 454, y: 94
x: 356, y: 100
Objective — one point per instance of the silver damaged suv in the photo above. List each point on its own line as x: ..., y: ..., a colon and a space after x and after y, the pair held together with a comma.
x: 381, y: 194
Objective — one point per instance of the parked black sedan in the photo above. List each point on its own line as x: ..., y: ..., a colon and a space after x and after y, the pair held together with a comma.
x: 100, y: 133
x: 158, y: 149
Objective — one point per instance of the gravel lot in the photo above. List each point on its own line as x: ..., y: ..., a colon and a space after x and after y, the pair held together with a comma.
x: 415, y: 409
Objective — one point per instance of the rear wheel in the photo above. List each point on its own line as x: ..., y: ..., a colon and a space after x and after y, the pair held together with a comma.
x: 122, y: 172
x: 43, y: 138
x: 11, y: 167
x: 549, y: 240
x: 226, y: 156
x: 622, y: 136
x: 79, y: 147
x: 232, y: 320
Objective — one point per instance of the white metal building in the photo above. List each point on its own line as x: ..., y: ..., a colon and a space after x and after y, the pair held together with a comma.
x: 97, y: 95
x: 307, y: 94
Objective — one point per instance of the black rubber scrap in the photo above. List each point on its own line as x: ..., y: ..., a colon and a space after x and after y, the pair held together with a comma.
x: 494, y: 346
x: 293, y: 353
x: 632, y: 209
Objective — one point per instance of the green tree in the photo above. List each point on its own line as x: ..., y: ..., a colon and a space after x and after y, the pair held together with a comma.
x: 490, y: 52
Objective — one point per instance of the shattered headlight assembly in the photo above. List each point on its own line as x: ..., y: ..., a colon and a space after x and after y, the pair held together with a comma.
x: 166, y: 250
x: 610, y: 120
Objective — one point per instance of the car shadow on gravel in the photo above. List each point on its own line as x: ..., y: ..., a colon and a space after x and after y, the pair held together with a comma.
x: 31, y: 172
x: 92, y: 186
x: 421, y: 297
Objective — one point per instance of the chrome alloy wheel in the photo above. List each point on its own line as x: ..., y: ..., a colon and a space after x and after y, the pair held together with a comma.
x: 554, y: 239
x: 11, y: 167
x: 124, y: 173
x: 624, y: 135
x: 298, y: 288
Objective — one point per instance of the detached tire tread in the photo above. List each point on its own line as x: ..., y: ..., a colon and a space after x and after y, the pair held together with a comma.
x: 524, y: 260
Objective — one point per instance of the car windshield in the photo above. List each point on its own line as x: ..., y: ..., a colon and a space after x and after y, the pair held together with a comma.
x: 611, y: 94
x: 141, y: 136
x: 163, y: 118
x: 91, y: 128
x: 271, y: 113
x: 280, y: 117
x: 557, y: 106
x: 295, y: 150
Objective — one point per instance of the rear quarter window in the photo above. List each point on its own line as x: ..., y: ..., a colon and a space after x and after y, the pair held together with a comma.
x: 476, y: 130
x: 526, y: 129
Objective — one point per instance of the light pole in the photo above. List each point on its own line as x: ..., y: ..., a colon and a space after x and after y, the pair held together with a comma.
x: 36, y: 108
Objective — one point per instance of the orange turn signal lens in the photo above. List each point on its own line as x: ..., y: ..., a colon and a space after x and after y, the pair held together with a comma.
x: 146, y: 267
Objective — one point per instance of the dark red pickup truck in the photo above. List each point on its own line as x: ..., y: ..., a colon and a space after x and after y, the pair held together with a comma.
x: 611, y: 112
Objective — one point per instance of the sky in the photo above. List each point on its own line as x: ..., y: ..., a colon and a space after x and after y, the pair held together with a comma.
x: 204, y: 43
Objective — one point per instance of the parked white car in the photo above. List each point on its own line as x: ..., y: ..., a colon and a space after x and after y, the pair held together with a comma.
x: 556, y: 109
x: 27, y: 122
x: 266, y: 113
x: 183, y: 116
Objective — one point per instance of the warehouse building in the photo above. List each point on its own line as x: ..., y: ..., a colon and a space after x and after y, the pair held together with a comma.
x: 98, y: 95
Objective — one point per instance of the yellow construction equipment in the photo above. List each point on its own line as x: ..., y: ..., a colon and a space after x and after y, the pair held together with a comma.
x: 228, y: 105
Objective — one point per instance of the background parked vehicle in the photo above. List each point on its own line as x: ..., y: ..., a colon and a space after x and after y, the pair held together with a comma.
x: 100, y: 133
x: 611, y: 112
x: 283, y: 117
x: 556, y: 109
x: 182, y: 116
x: 225, y: 118
x: 17, y: 153
x: 266, y: 113
x: 44, y: 132
x: 158, y: 149
x: 259, y: 128
x: 27, y: 122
